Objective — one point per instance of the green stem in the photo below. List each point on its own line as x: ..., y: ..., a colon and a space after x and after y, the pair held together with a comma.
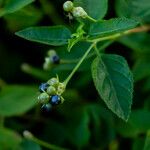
x: 108, y: 37
x: 65, y: 61
x: 97, y: 51
x: 91, y: 19
x: 78, y: 64
x: 46, y: 145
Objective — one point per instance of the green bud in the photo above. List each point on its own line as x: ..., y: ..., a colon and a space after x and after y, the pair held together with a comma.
x: 61, y: 88
x: 79, y: 12
x: 68, y: 6
x: 53, y: 82
x: 43, y: 98
x: 51, y: 90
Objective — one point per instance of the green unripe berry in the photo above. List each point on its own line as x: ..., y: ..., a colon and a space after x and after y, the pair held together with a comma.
x: 53, y: 82
x: 51, y: 90
x: 51, y: 53
x: 43, y: 98
x: 79, y: 12
x: 61, y: 88
x: 68, y: 6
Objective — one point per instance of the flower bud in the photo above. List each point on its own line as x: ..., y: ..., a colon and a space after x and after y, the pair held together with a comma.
x: 79, y: 12
x: 68, y: 6
x: 43, y: 98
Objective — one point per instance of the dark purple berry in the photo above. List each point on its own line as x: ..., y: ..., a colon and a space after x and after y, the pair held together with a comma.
x: 43, y: 87
x: 55, y: 59
x: 46, y: 107
x: 55, y: 100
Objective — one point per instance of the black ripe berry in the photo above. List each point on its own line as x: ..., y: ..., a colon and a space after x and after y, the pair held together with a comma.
x: 43, y: 87
x: 55, y: 59
x: 55, y: 100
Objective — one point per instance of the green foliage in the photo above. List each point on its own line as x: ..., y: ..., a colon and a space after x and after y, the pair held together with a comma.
x: 137, y: 42
x: 23, y: 18
x: 28, y: 145
x: 16, y: 99
x: 141, y: 69
x: 85, y: 43
x: 112, y: 26
x: 114, y: 83
x: 138, y: 123
x: 56, y: 36
x: 147, y: 142
x: 9, y: 139
x: 14, y: 5
x: 134, y: 9
x: 100, y: 7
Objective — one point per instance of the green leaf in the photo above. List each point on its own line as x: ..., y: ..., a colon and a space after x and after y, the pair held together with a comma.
x: 112, y: 26
x: 100, y: 7
x: 56, y: 35
x: 14, y: 5
x: 137, y: 124
x: 29, y: 145
x: 139, y: 42
x: 16, y: 99
x: 141, y: 69
x: 23, y: 18
x: 138, y: 143
x: 134, y: 9
x: 9, y: 140
x: 79, y: 133
x: 114, y: 83
x: 147, y: 142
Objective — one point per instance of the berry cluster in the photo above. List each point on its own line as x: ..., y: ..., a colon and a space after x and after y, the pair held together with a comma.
x: 51, y: 59
x: 51, y: 92
x: 75, y: 11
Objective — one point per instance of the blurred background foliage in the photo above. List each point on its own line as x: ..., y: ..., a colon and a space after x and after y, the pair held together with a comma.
x: 83, y: 121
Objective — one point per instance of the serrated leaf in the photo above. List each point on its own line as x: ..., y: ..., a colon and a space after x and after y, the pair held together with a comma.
x: 16, y: 99
x: 114, y: 83
x: 100, y: 7
x: 134, y: 9
x: 147, y: 142
x: 9, y: 140
x: 14, y: 5
x: 112, y: 26
x: 56, y: 35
